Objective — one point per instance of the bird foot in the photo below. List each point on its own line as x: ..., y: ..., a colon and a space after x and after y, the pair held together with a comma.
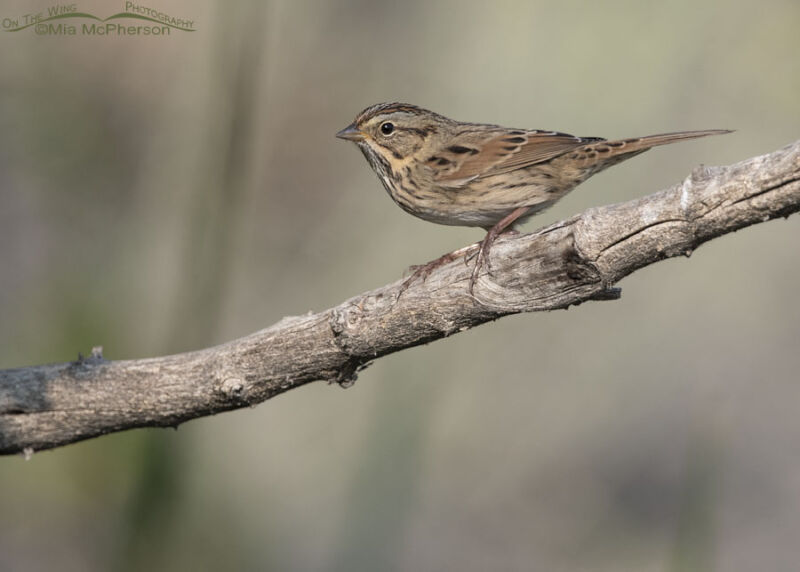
x: 422, y: 271
x: 481, y: 260
x: 502, y: 226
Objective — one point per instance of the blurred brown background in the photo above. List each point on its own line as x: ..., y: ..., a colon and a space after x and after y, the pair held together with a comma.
x: 165, y: 194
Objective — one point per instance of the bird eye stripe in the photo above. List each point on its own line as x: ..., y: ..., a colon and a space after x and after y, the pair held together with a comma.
x: 422, y: 132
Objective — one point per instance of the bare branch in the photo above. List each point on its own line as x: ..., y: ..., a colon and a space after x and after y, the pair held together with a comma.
x: 567, y: 263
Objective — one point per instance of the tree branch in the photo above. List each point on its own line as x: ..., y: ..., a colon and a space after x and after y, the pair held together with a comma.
x: 565, y: 264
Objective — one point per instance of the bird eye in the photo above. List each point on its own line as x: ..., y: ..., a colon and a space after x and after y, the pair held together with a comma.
x: 387, y: 127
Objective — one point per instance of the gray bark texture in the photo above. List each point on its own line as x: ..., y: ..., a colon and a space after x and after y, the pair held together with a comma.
x: 568, y: 263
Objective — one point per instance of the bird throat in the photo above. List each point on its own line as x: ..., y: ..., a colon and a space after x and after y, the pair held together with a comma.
x: 381, y: 166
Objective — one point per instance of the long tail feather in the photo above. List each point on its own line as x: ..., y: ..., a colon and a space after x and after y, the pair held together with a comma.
x: 642, y: 143
x: 603, y: 154
x: 663, y: 139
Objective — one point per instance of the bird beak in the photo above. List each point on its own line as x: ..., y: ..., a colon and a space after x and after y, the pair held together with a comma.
x: 350, y: 133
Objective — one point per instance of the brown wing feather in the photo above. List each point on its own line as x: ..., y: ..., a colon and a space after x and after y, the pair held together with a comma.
x: 543, y: 146
x: 503, y: 152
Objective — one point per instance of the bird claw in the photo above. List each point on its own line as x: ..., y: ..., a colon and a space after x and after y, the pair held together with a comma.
x: 478, y: 251
x: 417, y: 271
x: 424, y: 270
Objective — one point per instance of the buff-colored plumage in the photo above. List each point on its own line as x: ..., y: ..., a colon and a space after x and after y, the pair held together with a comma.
x: 471, y: 174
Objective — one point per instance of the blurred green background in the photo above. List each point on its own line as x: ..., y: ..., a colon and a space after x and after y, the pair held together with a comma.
x: 166, y: 194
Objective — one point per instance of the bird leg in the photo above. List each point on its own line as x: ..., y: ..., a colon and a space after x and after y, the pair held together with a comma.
x: 486, y: 244
x: 422, y: 271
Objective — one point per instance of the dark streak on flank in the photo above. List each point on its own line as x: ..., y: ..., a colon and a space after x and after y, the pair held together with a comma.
x: 461, y: 150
